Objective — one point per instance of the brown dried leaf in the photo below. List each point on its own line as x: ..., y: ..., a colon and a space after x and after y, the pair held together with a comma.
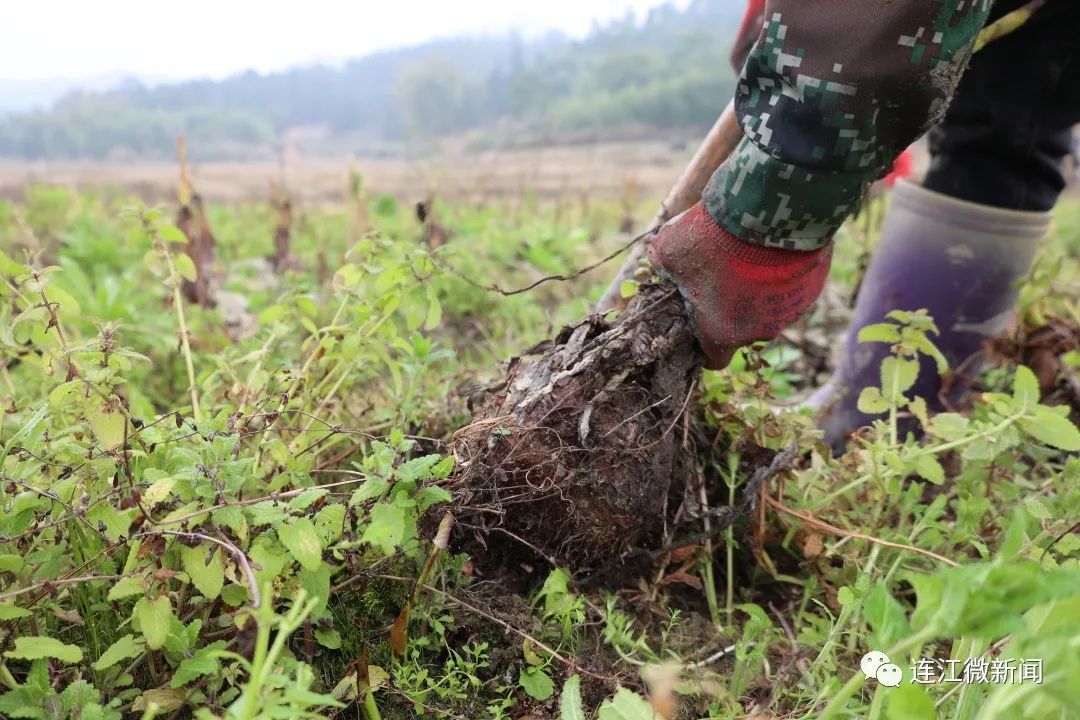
x: 1046, y: 365
x: 68, y: 616
x: 681, y: 554
x: 683, y: 578
x: 154, y: 546
x: 811, y: 544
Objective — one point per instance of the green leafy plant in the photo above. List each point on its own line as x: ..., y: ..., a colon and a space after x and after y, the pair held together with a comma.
x: 227, y: 512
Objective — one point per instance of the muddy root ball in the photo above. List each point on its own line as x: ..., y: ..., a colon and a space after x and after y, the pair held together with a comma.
x: 572, y: 455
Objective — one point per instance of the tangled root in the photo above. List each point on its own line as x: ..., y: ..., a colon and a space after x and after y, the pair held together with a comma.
x: 573, y: 453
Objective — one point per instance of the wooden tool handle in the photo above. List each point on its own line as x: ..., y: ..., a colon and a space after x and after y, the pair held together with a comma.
x: 714, y: 149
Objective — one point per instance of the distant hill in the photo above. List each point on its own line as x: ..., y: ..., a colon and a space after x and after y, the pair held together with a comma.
x: 26, y: 95
x: 665, y: 70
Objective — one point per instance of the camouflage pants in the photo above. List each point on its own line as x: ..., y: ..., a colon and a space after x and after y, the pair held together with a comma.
x: 830, y: 94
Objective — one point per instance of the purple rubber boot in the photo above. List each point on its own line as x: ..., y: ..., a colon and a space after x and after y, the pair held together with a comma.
x: 959, y: 260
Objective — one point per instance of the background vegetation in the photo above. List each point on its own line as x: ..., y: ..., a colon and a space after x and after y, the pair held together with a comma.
x: 667, y: 70
x: 228, y: 511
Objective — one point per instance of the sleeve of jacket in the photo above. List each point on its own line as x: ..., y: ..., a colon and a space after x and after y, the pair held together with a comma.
x: 830, y: 94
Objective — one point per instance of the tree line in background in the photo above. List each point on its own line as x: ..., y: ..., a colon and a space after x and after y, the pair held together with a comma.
x: 668, y: 69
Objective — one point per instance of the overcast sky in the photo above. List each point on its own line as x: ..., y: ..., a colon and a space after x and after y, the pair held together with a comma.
x: 197, y: 38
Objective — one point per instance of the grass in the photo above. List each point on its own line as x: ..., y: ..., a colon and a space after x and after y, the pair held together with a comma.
x: 221, y: 512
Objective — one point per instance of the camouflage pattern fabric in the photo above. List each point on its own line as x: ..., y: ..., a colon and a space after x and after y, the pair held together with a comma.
x: 831, y: 93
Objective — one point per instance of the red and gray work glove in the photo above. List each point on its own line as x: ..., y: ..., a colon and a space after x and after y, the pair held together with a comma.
x: 738, y: 292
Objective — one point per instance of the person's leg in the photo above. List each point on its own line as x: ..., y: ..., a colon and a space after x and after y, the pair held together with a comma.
x: 957, y: 245
x: 1009, y: 127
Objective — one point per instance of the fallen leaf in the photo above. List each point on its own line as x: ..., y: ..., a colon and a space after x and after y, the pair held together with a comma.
x: 811, y: 545
x: 683, y: 578
x: 680, y: 554
x: 68, y: 616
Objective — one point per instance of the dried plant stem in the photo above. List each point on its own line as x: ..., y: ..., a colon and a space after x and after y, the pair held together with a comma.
x: 709, y: 574
x: 729, y: 600
x: 833, y: 530
x: 60, y: 581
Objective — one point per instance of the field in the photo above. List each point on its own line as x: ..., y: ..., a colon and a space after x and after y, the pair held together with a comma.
x: 237, y: 508
x: 454, y: 172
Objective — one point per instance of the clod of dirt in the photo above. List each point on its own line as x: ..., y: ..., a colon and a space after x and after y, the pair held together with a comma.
x: 572, y: 455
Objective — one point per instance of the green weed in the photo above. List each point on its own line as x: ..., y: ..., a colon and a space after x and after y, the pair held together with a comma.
x: 221, y: 513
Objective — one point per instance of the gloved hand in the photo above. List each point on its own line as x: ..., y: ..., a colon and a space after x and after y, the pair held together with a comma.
x: 738, y: 292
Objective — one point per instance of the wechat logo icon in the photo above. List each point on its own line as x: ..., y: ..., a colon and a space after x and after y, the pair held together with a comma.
x: 877, y: 666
